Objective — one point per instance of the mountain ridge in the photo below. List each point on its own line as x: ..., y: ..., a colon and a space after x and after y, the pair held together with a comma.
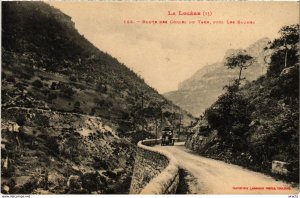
x: 203, y: 88
x: 256, y: 125
x: 71, y: 114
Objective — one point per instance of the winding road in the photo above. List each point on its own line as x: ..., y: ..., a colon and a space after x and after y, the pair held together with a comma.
x: 218, y: 177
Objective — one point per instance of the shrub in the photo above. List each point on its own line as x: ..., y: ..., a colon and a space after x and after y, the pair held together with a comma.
x: 37, y: 84
x: 52, y: 96
x: 111, y: 174
x: 54, y: 85
x: 21, y: 119
x: 101, y: 88
x: 72, y: 78
x: 11, y: 79
x: 3, y: 75
x: 67, y: 92
x: 93, y: 111
x: 77, y: 106
x: 53, y: 145
x: 93, y: 181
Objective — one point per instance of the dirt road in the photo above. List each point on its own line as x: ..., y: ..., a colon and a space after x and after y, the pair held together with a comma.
x: 217, y: 177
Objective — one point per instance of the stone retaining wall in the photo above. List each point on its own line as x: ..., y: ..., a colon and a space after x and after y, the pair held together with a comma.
x: 155, y: 171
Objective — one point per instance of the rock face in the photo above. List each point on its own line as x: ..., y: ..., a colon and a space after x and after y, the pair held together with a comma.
x: 203, y: 88
x: 257, y: 125
x: 260, y: 131
x: 51, y: 147
x: 68, y: 108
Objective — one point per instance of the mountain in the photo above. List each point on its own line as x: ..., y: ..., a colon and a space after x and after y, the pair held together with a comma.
x: 71, y: 114
x: 257, y: 125
x: 200, y: 91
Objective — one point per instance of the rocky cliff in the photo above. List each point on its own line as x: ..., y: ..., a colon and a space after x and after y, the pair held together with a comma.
x: 71, y: 114
x: 202, y: 89
x: 256, y: 125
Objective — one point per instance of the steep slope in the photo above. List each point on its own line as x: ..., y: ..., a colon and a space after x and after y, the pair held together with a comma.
x: 71, y: 114
x: 257, y: 124
x: 203, y: 88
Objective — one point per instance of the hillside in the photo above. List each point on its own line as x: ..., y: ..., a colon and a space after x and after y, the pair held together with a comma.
x: 71, y: 114
x: 257, y: 123
x: 202, y: 89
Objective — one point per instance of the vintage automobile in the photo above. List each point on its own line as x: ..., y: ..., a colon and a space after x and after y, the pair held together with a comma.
x: 167, y: 136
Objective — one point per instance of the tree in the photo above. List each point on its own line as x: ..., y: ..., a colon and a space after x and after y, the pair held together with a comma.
x: 229, y: 114
x: 241, y: 61
x: 285, y: 49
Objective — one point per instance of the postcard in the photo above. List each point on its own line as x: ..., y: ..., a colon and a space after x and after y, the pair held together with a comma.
x: 150, y: 97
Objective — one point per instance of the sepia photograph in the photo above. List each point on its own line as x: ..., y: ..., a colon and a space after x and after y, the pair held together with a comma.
x: 150, y: 97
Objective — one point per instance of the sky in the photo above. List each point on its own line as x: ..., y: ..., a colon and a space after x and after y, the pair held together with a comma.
x: 167, y: 54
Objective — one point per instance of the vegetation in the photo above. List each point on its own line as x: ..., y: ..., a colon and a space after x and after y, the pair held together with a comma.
x: 37, y: 84
x: 39, y: 40
x: 258, y: 123
x: 52, y: 72
x: 241, y: 61
x: 285, y: 49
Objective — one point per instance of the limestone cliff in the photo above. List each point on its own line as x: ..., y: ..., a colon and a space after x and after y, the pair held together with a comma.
x: 199, y: 91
